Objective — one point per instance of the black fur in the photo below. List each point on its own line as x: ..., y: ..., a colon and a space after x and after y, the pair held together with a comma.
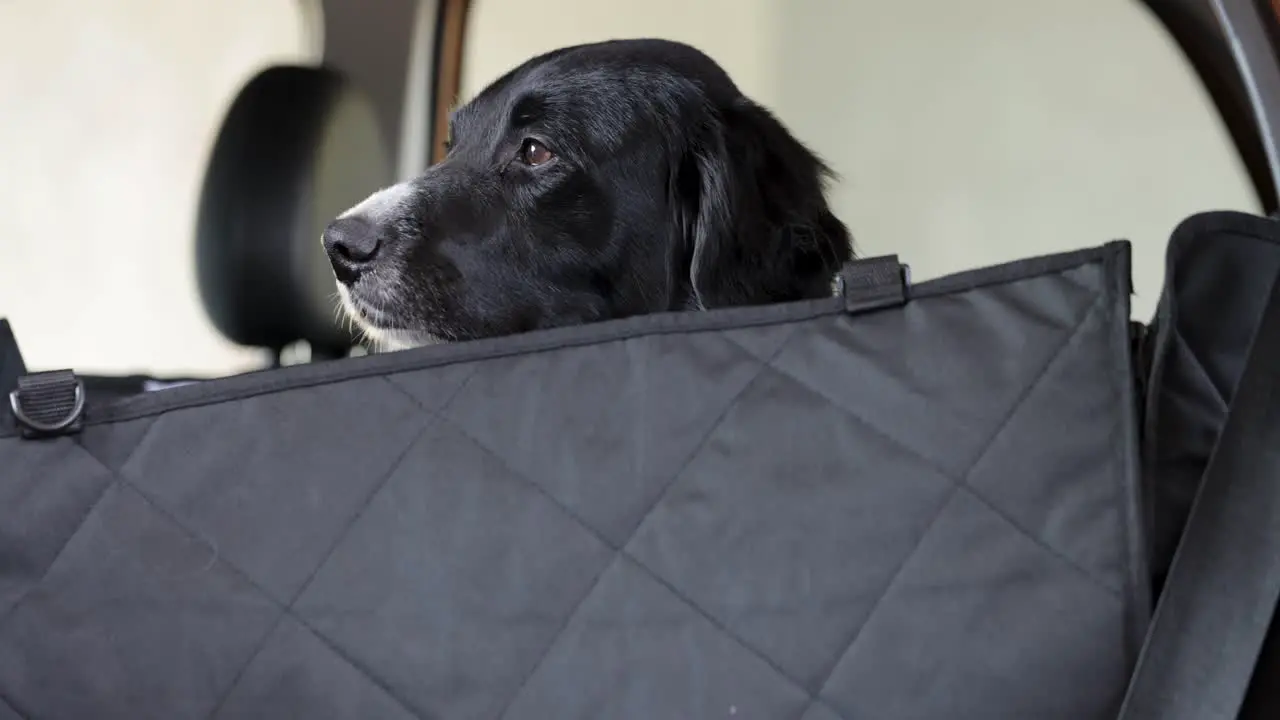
x: 669, y: 190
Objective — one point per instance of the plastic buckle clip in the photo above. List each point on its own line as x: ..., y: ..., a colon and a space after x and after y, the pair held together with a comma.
x: 873, y: 283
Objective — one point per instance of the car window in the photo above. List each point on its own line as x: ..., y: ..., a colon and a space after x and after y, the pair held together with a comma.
x: 965, y: 133
x: 110, y: 111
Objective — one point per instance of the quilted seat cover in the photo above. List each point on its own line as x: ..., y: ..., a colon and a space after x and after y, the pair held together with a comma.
x: 814, y: 511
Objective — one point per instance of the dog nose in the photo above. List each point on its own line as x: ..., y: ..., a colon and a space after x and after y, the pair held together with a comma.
x: 352, y: 244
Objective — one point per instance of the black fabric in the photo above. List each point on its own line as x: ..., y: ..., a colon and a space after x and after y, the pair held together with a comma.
x: 103, y: 389
x: 1262, y: 700
x: 11, y: 365
x: 1219, y: 270
x: 1225, y: 579
x: 925, y: 510
x: 873, y: 283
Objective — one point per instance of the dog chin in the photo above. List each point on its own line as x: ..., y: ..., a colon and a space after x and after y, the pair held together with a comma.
x: 392, y: 340
x: 383, y: 339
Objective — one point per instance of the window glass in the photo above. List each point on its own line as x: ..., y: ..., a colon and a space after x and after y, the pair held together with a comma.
x: 110, y: 111
x: 966, y: 133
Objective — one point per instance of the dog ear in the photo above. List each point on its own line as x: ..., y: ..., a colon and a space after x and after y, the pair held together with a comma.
x: 755, y: 213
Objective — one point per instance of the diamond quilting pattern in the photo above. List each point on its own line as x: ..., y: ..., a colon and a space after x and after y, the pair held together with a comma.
x: 786, y: 533
x: 435, y: 387
x: 636, y: 650
x: 765, y: 341
x: 949, y: 367
x: 136, y: 619
x: 978, y: 604
x: 454, y: 581
x: 286, y: 476
x: 113, y: 444
x: 46, y: 491
x: 1053, y: 481
x: 295, y: 672
x: 604, y: 428
x: 766, y: 522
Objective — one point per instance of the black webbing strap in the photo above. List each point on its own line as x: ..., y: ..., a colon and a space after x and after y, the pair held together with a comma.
x: 1215, y: 610
x: 48, y: 403
x: 873, y: 283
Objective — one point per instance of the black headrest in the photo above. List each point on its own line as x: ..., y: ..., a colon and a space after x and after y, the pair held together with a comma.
x: 299, y: 145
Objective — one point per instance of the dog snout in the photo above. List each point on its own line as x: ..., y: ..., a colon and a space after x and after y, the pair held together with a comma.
x: 352, y: 245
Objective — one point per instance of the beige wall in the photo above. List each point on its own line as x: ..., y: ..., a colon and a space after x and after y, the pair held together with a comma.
x: 108, y: 109
x: 741, y: 34
x: 967, y: 133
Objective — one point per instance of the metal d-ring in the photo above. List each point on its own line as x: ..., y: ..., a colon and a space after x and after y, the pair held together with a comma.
x: 15, y: 404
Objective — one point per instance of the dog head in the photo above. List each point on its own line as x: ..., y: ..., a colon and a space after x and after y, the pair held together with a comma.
x: 593, y: 182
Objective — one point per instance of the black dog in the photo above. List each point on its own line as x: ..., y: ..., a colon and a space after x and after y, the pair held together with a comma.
x: 593, y: 182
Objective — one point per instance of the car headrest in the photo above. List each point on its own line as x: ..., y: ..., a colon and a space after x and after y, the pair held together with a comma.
x: 299, y: 145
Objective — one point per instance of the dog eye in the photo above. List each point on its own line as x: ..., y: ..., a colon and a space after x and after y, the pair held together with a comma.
x: 534, y: 153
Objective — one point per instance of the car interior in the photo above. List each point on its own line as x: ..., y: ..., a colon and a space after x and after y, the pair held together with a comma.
x: 301, y: 141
